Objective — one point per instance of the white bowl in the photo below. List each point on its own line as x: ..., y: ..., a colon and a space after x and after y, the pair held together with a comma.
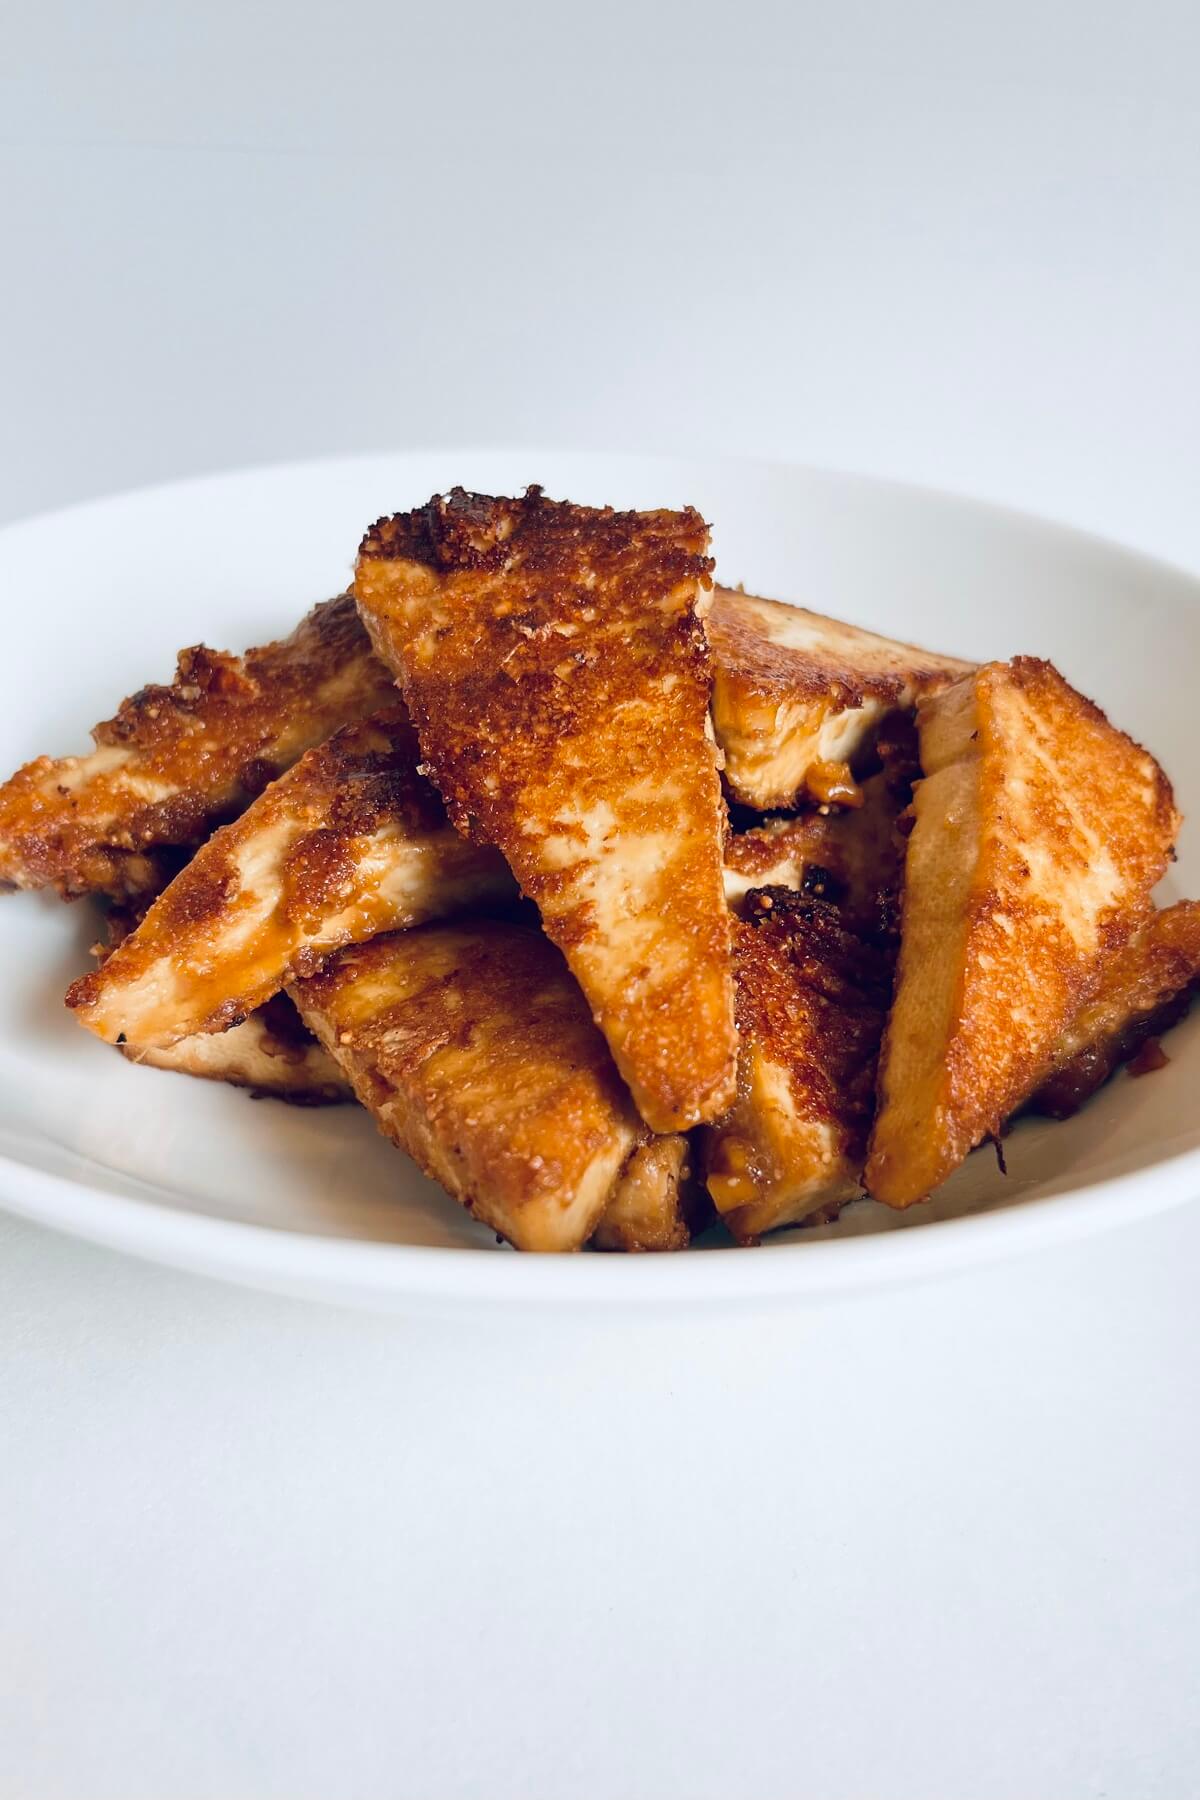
x: 98, y: 599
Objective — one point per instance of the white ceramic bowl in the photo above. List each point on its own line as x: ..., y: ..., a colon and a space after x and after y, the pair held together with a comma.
x: 97, y: 601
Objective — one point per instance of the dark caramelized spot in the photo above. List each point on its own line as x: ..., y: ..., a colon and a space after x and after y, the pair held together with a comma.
x: 555, y: 666
x: 486, y: 532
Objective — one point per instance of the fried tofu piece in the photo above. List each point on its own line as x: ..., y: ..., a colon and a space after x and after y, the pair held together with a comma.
x: 812, y: 998
x: 798, y: 698
x: 350, y: 842
x: 1039, y: 832
x: 814, y: 953
x: 272, y: 1052
x: 178, y: 760
x: 473, y: 1049
x: 656, y: 1204
x: 554, y: 663
x: 1147, y: 988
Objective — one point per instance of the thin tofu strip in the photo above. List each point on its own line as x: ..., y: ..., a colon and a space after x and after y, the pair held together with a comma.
x: 177, y: 761
x: 273, y: 1053
x: 812, y: 999
x: 351, y: 842
x: 473, y: 1049
x: 554, y: 664
x: 814, y: 971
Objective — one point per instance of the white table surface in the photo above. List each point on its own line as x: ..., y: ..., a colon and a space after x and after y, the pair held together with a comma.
x: 933, y: 1545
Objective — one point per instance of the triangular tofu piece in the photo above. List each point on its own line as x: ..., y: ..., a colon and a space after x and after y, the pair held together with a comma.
x: 351, y: 842
x: 554, y: 664
x: 798, y: 698
x: 1147, y: 988
x: 473, y: 1049
x: 177, y: 761
x: 272, y: 1052
x: 812, y: 999
x: 1039, y: 832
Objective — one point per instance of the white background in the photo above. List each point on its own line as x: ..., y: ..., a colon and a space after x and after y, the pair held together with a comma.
x: 931, y: 1546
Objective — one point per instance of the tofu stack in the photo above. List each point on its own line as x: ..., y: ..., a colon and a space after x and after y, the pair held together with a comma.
x: 627, y: 905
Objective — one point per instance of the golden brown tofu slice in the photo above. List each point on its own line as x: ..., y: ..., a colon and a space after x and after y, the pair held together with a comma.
x: 656, y: 1204
x: 272, y: 1052
x: 1147, y: 988
x: 350, y: 842
x: 177, y: 760
x: 812, y: 998
x: 473, y: 1049
x: 1039, y: 832
x: 554, y: 664
x: 798, y: 698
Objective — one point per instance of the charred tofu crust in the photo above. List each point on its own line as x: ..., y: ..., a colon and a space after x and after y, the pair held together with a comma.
x: 813, y: 993
x: 554, y: 663
x: 351, y: 842
x: 177, y: 760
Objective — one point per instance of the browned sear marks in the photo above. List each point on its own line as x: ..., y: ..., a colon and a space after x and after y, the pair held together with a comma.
x: 1147, y: 988
x: 272, y: 1053
x: 473, y: 1049
x: 556, y: 669
x: 350, y: 842
x: 1039, y: 832
x: 177, y: 760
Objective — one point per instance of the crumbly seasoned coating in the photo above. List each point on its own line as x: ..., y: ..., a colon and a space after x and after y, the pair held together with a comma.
x: 813, y: 992
x: 1147, y: 988
x: 1039, y: 832
x: 473, y: 1049
x: 797, y: 698
x: 272, y: 1052
x: 657, y: 1203
x: 350, y: 842
x: 176, y: 761
x: 554, y: 664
